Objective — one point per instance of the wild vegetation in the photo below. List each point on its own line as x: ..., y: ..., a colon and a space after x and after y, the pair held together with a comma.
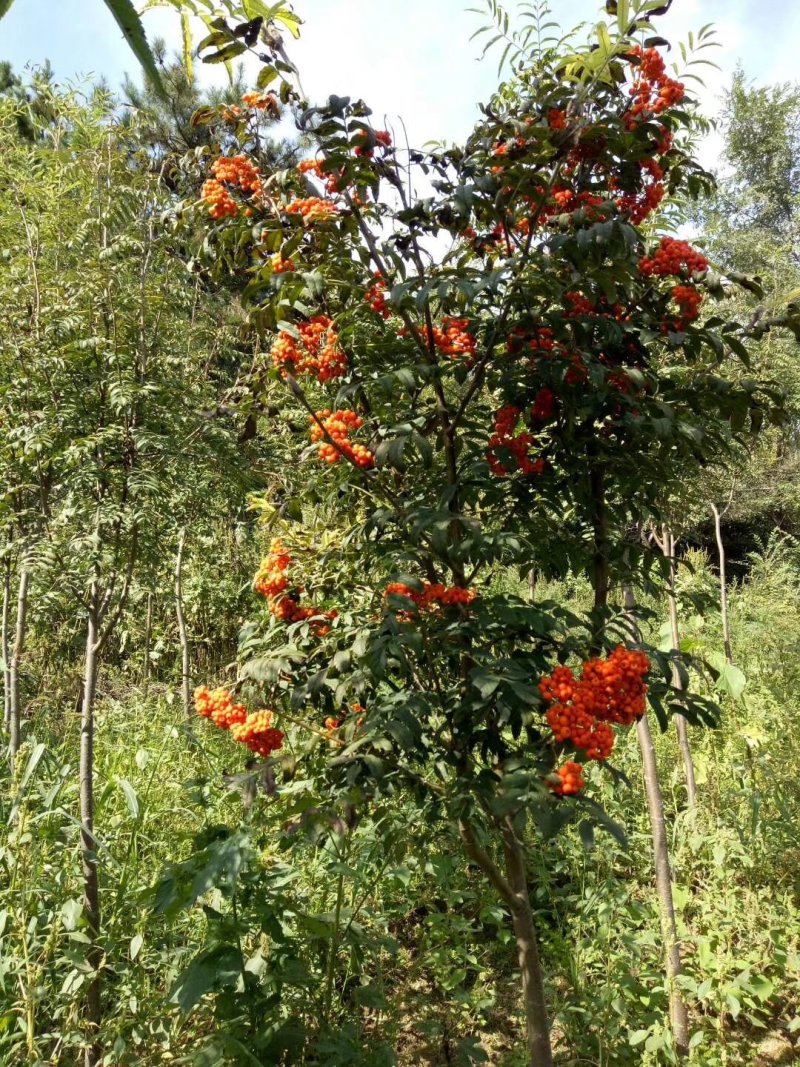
x: 401, y: 598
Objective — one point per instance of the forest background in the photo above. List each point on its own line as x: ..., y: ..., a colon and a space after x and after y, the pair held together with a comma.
x: 104, y: 330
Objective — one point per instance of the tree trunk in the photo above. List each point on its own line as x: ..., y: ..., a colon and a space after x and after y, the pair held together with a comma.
x: 148, y: 631
x: 15, y: 708
x: 537, y: 1025
x: 91, y: 888
x: 513, y: 889
x: 186, y: 682
x: 723, y: 587
x: 4, y: 653
x: 655, y: 806
x: 677, y: 679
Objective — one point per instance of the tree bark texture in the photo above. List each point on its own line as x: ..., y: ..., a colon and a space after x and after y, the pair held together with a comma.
x: 513, y: 889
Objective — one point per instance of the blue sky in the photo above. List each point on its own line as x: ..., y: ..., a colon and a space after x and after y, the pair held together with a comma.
x: 411, y: 59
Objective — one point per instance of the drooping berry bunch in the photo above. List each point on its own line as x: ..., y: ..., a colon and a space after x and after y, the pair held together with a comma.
x: 375, y: 296
x: 610, y: 690
x: 337, y: 425
x: 283, y: 595
x: 316, y: 352
x: 652, y: 91
x: 272, y: 579
x: 518, y: 444
x: 253, y: 729
x: 229, y: 172
x: 258, y: 733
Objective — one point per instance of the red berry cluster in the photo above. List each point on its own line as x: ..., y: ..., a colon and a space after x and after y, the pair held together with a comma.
x: 376, y: 296
x: 544, y: 405
x: 518, y: 445
x: 673, y: 257
x: 384, y: 139
x: 317, y: 351
x: 688, y: 298
x: 557, y: 119
x: 610, y: 690
x: 643, y: 201
x: 652, y: 91
x: 337, y: 425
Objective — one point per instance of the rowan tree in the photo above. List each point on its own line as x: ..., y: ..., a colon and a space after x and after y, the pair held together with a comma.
x: 494, y: 358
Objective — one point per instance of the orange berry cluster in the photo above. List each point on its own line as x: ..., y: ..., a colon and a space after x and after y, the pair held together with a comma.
x: 262, y: 102
x: 570, y: 775
x: 311, y: 208
x: 254, y: 730
x: 505, y: 422
x: 557, y: 119
x: 673, y: 257
x: 218, y: 705
x: 432, y: 594
x: 610, y: 690
x: 453, y: 338
x: 376, y: 296
x: 281, y: 265
x: 337, y: 425
x: 317, y: 352
x: 271, y: 579
x: 238, y: 171
x: 652, y: 91
x: 258, y: 733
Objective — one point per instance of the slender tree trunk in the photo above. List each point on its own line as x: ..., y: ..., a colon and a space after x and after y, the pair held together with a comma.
x: 186, y: 682
x: 15, y: 707
x: 681, y: 725
x: 148, y: 630
x: 4, y: 653
x: 723, y: 587
x: 655, y: 805
x: 537, y: 1024
x: 532, y: 578
x: 91, y: 887
x: 513, y: 889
